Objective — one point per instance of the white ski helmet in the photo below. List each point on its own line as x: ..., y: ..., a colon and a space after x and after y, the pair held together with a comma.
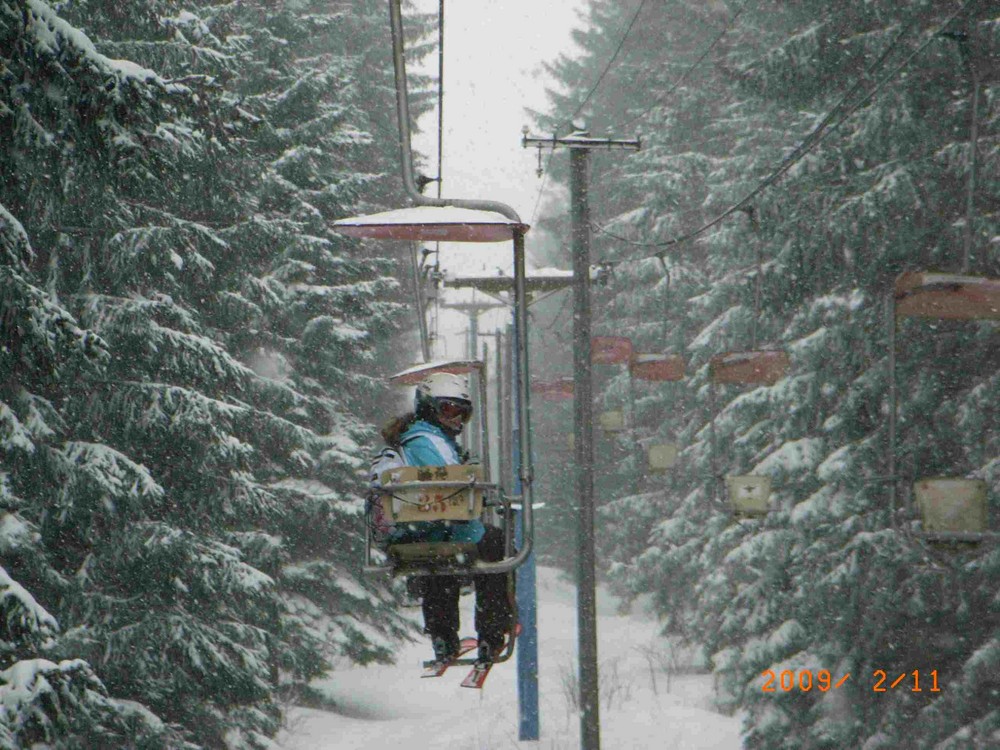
x: 440, y: 387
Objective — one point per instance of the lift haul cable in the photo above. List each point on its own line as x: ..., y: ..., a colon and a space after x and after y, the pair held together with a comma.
x: 683, y: 77
x: 440, y: 123
x: 579, y: 109
x: 810, y: 142
x: 607, y: 67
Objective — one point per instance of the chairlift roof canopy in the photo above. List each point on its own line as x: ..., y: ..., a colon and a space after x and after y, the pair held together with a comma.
x: 761, y: 367
x: 545, y: 282
x: 947, y: 296
x: 560, y: 389
x: 416, y: 373
x: 432, y: 223
x: 610, y: 350
x: 657, y: 367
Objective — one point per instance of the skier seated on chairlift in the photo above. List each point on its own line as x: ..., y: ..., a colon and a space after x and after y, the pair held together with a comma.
x: 427, y: 436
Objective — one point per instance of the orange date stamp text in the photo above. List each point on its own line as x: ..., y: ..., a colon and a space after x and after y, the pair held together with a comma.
x: 807, y: 680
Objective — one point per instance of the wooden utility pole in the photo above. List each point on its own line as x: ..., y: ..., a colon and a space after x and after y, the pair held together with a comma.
x: 580, y: 145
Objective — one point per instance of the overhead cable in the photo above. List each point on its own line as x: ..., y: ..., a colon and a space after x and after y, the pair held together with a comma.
x: 663, y: 97
x: 586, y: 99
x: 611, y: 61
x: 808, y: 143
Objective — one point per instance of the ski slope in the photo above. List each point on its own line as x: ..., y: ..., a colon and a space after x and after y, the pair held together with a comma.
x: 391, y: 707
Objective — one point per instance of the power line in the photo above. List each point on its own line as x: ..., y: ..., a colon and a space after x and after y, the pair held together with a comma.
x: 663, y: 97
x: 586, y: 99
x: 809, y: 142
x: 611, y: 61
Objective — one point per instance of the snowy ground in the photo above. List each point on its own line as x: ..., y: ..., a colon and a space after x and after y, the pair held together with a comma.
x: 387, y: 708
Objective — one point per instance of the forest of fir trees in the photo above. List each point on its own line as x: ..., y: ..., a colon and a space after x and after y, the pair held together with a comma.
x: 724, y: 93
x: 188, y: 363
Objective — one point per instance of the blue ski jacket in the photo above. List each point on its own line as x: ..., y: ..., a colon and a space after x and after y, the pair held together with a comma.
x: 426, y: 444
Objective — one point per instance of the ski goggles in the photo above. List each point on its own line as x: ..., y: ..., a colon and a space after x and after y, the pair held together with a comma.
x: 453, y: 408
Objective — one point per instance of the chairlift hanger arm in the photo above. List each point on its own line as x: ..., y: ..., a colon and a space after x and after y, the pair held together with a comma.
x: 403, y: 117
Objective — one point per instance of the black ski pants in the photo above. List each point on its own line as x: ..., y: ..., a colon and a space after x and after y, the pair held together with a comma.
x: 493, y: 602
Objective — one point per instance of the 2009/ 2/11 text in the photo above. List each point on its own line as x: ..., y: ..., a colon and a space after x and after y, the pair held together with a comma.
x: 806, y: 680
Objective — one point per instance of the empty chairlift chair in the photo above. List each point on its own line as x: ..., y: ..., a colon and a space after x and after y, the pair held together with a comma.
x: 749, y: 495
x: 659, y: 368
x: 950, y: 509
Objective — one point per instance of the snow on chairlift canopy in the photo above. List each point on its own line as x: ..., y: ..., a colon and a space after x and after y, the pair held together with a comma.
x: 540, y: 280
x: 764, y: 367
x: 416, y: 373
x: 432, y: 223
x: 948, y: 296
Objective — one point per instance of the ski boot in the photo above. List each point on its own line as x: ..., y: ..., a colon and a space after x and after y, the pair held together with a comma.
x: 445, y: 647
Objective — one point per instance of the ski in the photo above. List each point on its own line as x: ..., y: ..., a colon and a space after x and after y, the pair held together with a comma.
x: 438, y: 668
x: 481, y: 669
x: 476, y: 677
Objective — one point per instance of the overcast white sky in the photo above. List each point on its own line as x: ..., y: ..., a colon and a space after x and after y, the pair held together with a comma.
x: 493, y: 55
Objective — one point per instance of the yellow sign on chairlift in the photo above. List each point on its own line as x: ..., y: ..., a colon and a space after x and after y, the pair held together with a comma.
x: 749, y: 495
x: 611, y: 421
x: 951, y: 504
x: 417, y: 494
x: 662, y: 456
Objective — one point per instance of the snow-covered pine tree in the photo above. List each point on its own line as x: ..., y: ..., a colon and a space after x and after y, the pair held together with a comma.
x: 193, y: 585
x: 826, y: 582
x: 169, y: 613
x: 323, y: 150
x: 48, y: 694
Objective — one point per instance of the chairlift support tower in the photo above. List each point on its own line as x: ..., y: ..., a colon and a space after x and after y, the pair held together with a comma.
x: 526, y: 590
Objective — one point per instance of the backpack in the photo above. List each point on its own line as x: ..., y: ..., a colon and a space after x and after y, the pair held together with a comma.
x: 380, y: 524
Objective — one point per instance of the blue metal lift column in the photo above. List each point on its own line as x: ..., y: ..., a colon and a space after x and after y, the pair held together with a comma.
x: 527, y: 609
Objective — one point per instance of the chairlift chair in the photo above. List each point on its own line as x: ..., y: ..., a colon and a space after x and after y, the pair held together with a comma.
x: 421, y: 494
x: 658, y: 368
x: 749, y: 495
x: 950, y: 509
